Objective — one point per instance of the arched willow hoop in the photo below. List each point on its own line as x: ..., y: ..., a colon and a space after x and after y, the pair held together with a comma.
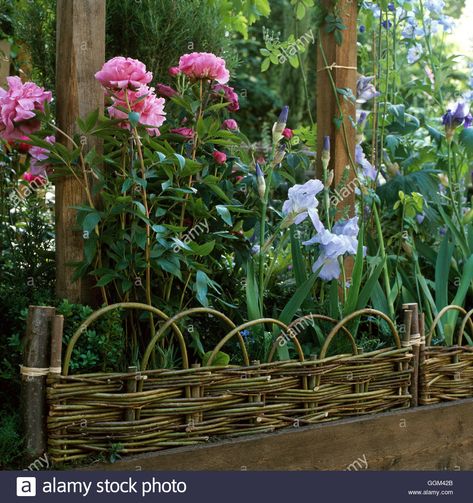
x: 356, y: 314
x: 197, y: 310
x: 123, y: 305
x: 252, y: 323
x: 310, y: 317
x: 466, y: 319
x: 439, y: 316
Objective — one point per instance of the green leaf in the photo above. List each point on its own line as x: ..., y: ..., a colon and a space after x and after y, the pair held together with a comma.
x: 290, y: 309
x: 91, y: 221
x: 265, y: 64
x: 252, y: 297
x: 202, y: 250
x: 300, y: 11
x: 354, y: 290
x: 459, y: 299
x: 91, y: 120
x: 297, y: 258
x: 370, y: 284
x: 170, y: 267
x: 106, y: 279
x: 379, y: 300
x: 221, y: 359
x: 466, y: 139
x: 201, y: 285
x: 224, y: 213
x: 442, y: 271
x: 181, y: 160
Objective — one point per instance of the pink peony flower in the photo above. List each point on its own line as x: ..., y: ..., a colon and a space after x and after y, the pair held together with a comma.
x: 40, y: 153
x: 123, y: 73
x: 166, y: 91
x: 288, y: 133
x: 204, y: 65
x: 229, y: 95
x: 219, y: 157
x: 174, y: 70
x: 145, y: 103
x: 18, y: 107
x: 230, y: 124
x: 38, y: 166
x: 185, y: 132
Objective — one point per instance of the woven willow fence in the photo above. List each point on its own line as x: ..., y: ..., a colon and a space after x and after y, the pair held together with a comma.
x: 150, y: 410
x: 446, y: 372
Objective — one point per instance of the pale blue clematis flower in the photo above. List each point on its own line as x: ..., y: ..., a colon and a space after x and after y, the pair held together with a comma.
x: 447, y: 23
x: 365, y: 90
x: 302, y: 203
x: 414, y: 53
x: 435, y: 6
x: 374, y: 8
x: 343, y: 239
x: 369, y: 171
x: 412, y: 29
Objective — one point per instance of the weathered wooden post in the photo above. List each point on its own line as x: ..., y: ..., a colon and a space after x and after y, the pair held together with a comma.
x: 337, y: 69
x: 34, y: 370
x: 80, y: 54
x: 415, y: 341
x: 4, y: 62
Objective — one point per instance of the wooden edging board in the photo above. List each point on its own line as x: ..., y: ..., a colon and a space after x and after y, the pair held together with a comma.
x: 436, y: 437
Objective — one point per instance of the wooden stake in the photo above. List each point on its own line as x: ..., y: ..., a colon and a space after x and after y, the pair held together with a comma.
x: 344, y: 75
x: 4, y: 62
x: 415, y: 340
x: 55, y: 363
x: 131, y: 388
x: 33, y: 379
x: 80, y: 54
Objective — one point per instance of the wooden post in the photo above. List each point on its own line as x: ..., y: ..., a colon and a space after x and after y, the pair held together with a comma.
x: 33, y: 379
x: 415, y: 341
x: 57, y: 331
x: 4, y: 62
x: 131, y: 385
x: 80, y: 54
x: 343, y: 62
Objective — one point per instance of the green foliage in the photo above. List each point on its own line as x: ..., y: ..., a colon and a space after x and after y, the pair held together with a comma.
x: 158, y: 32
x: 239, y: 15
x: 6, y: 10
x: 34, y: 25
x: 100, y: 348
x: 11, y: 442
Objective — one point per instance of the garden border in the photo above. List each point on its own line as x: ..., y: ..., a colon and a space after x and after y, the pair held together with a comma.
x: 356, y: 402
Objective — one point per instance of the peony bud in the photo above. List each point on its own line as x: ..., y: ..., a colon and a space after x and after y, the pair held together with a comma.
x: 166, y: 91
x: 288, y: 133
x: 173, y: 71
x: 230, y: 124
x: 219, y: 157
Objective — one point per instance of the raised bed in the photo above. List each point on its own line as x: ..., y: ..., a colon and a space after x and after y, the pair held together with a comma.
x: 152, y: 410
x: 157, y: 410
